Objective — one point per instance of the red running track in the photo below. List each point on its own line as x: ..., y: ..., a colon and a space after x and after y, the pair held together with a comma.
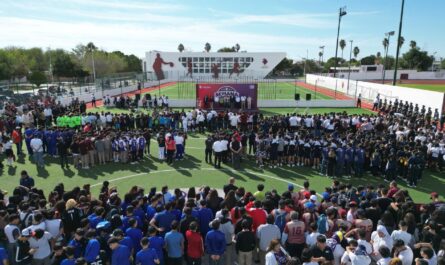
x: 335, y: 95
x: 99, y: 102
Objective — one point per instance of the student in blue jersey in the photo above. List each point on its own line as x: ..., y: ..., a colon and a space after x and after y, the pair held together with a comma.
x: 205, y: 216
x: 3, y: 257
x: 134, y: 233
x: 78, y: 242
x: 215, y: 243
x: 147, y: 255
x: 174, y: 243
x: 124, y: 240
x: 121, y: 255
x: 157, y: 243
x: 129, y: 214
x: 92, y: 249
x: 70, y: 259
x: 163, y: 219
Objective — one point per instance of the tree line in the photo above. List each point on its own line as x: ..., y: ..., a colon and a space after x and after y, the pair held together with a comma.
x: 18, y: 62
x: 414, y: 58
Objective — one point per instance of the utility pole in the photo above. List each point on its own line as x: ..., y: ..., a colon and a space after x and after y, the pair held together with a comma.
x: 394, y: 80
x: 341, y: 12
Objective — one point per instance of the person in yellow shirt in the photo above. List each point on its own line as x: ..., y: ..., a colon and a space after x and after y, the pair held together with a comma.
x: 260, y: 194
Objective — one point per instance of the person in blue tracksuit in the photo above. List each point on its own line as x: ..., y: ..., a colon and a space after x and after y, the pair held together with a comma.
x: 340, y: 155
x: 29, y: 134
x: 78, y: 243
x: 135, y: 234
x: 359, y: 160
x: 349, y: 155
x: 141, y: 146
x: 157, y: 243
x: 205, y: 216
x: 324, y: 160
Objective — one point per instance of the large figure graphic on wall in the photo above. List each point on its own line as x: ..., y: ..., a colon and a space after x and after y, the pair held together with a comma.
x: 157, y: 66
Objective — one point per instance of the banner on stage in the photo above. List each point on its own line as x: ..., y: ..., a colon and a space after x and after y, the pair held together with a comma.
x: 226, y: 96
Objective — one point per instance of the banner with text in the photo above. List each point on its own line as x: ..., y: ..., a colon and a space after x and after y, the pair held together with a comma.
x: 226, y: 96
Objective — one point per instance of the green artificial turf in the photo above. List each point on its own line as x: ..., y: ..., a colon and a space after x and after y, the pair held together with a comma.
x: 432, y: 87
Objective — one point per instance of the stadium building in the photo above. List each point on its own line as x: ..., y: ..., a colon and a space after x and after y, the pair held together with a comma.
x: 202, y: 65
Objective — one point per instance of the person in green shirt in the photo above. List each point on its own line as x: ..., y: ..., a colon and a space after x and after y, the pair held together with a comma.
x: 60, y: 121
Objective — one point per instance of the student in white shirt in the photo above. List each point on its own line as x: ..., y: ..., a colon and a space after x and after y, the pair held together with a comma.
x: 402, y: 234
x: 311, y: 239
x: 404, y: 253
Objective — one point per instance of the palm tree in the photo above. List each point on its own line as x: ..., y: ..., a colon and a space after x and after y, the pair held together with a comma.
x: 91, y: 48
x: 237, y: 47
x: 207, y: 47
x: 385, y: 43
x: 356, y: 51
x: 401, y: 41
x: 180, y: 47
x: 342, y: 46
x: 413, y: 44
x: 320, y: 54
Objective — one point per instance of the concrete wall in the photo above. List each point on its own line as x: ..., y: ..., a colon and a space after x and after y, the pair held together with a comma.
x: 370, y: 90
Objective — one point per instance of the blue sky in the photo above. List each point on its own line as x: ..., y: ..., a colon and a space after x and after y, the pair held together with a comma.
x: 292, y: 26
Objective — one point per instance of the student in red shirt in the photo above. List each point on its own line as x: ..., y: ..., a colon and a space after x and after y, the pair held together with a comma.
x: 195, y: 245
x: 171, y: 147
x: 258, y: 214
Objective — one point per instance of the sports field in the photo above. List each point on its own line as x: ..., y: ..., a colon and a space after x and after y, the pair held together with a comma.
x: 193, y: 171
x: 432, y: 87
x: 266, y: 90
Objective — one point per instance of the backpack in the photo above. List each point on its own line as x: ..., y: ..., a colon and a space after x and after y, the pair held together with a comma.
x: 322, y: 224
x: 27, y: 220
x: 280, y: 220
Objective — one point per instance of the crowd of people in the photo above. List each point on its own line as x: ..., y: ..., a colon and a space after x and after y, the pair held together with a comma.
x: 340, y: 225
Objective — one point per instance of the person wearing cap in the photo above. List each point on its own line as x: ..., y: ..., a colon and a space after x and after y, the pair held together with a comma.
x: 22, y: 255
x: 310, y: 214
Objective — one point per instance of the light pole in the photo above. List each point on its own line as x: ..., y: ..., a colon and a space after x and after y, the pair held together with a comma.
x: 388, y: 34
x: 398, y: 44
x: 341, y: 12
x: 349, y: 70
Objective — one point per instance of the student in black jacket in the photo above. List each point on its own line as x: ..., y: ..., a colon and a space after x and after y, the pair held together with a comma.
x: 245, y: 244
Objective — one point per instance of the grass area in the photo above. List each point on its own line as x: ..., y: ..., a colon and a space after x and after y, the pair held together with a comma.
x: 265, y: 111
x: 432, y: 87
x: 193, y: 171
x: 266, y: 90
